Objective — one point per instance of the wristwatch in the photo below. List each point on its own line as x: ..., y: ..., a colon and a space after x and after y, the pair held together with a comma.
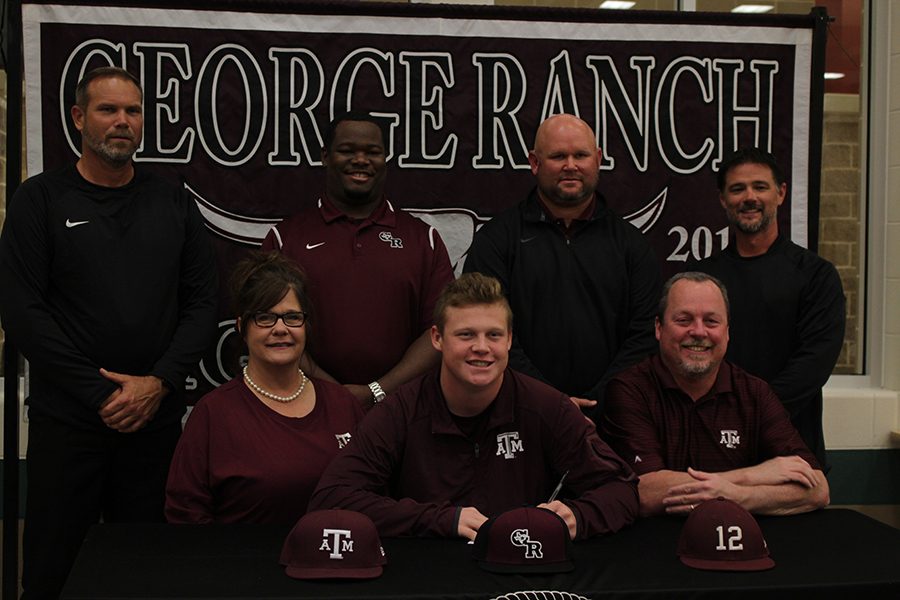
x: 377, y: 392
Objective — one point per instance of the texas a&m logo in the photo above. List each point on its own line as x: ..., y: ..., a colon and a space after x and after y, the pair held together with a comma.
x: 508, y: 444
x: 342, y: 439
x: 522, y: 539
x: 336, y: 541
x: 730, y: 438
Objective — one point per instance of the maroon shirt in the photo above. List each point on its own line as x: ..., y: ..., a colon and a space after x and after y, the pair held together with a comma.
x: 410, y: 468
x: 654, y: 425
x: 373, y: 282
x: 238, y: 461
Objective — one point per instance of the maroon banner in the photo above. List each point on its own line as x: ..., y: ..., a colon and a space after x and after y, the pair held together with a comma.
x: 235, y: 104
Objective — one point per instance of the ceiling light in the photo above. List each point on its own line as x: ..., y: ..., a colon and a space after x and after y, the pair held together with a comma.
x: 834, y: 75
x: 752, y: 8
x: 616, y: 4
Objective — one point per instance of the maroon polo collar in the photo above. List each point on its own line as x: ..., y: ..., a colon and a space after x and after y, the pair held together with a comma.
x: 722, y: 385
x: 383, y: 214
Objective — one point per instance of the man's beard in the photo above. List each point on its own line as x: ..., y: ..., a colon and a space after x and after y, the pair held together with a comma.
x: 110, y: 153
x: 561, y: 198
x: 693, y: 369
x: 763, y: 223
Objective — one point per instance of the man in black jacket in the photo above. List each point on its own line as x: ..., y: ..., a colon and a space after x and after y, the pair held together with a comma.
x: 582, y: 283
x: 108, y: 285
x: 787, y: 303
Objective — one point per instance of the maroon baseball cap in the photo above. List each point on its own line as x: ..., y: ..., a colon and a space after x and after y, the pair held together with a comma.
x: 524, y: 540
x: 333, y: 544
x: 722, y: 536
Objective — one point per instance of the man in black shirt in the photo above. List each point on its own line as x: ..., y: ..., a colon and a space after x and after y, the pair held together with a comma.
x: 108, y: 286
x: 787, y: 303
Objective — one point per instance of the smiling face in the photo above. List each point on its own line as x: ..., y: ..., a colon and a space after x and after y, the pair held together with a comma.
x: 355, y: 164
x: 565, y: 161
x: 751, y: 198
x: 693, y: 333
x: 112, y: 122
x: 474, y: 345
x: 278, y: 345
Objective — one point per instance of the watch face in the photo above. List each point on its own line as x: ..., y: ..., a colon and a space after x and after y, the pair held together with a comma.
x: 377, y: 393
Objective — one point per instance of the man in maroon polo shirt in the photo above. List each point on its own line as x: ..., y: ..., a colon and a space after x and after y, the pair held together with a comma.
x: 695, y: 427
x: 375, y: 272
x: 474, y: 438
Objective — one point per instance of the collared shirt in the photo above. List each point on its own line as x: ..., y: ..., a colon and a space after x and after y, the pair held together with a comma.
x: 654, y: 425
x: 575, y: 224
x: 373, y: 284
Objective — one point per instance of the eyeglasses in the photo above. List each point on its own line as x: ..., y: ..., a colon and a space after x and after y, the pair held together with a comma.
x: 268, y: 319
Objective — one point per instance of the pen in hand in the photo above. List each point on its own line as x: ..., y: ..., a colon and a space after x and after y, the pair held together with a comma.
x: 558, y: 488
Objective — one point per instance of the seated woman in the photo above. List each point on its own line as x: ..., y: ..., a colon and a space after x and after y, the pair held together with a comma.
x: 253, y: 449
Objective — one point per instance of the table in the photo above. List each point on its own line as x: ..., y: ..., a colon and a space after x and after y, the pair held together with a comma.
x: 830, y: 553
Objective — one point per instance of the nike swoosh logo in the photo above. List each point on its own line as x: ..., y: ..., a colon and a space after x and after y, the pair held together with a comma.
x: 526, y: 240
x: 311, y: 246
x: 71, y: 224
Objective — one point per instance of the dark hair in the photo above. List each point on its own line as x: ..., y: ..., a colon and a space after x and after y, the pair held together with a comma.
x: 353, y: 115
x: 749, y: 156
x: 696, y: 277
x: 81, y: 90
x: 261, y: 280
x: 470, y: 289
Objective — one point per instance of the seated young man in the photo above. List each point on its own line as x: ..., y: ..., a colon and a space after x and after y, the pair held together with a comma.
x: 474, y: 438
x: 695, y: 427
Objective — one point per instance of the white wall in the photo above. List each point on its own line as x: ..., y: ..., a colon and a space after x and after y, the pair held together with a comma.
x: 864, y: 412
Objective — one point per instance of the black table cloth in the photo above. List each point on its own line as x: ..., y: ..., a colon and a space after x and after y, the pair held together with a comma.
x: 830, y: 553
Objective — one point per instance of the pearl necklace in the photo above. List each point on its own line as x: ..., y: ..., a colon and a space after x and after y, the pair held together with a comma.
x: 275, y: 397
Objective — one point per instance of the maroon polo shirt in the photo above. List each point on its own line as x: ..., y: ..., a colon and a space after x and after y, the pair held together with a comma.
x: 654, y: 425
x: 373, y: 282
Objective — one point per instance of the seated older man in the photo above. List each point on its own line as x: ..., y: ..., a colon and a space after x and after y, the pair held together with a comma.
x: 695, y: 427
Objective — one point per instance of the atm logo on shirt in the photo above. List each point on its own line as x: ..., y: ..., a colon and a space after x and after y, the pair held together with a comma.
x: 730, y: 438
x: 508, y: 444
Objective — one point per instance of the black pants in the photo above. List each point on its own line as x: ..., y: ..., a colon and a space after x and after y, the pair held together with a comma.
x: 75, y: 477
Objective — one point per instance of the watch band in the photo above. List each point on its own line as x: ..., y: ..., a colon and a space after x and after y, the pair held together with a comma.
x: 377, y: 392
